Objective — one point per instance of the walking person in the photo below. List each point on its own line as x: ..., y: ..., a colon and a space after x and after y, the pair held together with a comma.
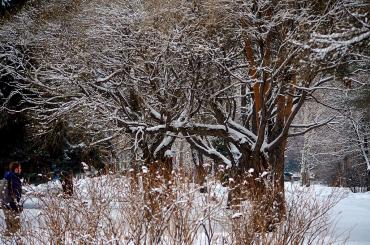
x: 11, y: 201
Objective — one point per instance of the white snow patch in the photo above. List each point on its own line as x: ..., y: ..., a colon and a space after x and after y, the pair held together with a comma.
x: 84, y: 166
x: 236, y: 215
x: 168, y: 153
x: 264, y: 174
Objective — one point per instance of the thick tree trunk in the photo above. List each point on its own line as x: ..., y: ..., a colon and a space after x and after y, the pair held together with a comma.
x: 264, y: 192
x: 277, y: 170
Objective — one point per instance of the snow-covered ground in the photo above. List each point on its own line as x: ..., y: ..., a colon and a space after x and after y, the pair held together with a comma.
x: 351, y: 214
x: 354, y: 216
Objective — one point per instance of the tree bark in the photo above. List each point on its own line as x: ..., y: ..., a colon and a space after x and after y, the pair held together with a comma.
x: 265, y: 193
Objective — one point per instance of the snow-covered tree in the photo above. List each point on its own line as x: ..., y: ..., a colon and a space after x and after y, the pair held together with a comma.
x: 232, y: 71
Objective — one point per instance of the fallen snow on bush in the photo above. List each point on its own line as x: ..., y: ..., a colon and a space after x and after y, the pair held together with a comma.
x: 101, y: 206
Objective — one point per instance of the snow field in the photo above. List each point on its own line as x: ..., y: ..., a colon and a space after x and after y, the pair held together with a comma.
x: 104, y: 210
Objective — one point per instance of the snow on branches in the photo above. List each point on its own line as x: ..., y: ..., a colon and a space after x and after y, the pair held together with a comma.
x: 238, y: 72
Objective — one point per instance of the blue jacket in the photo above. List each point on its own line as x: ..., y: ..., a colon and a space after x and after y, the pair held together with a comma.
x: 14, y: 191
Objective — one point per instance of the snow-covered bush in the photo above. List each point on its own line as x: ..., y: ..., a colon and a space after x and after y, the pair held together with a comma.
x: 114, y: 209
x: 307, y: 220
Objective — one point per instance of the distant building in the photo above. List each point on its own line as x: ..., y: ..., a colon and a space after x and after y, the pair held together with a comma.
x: 288, y: 176
x: 296, y: 177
